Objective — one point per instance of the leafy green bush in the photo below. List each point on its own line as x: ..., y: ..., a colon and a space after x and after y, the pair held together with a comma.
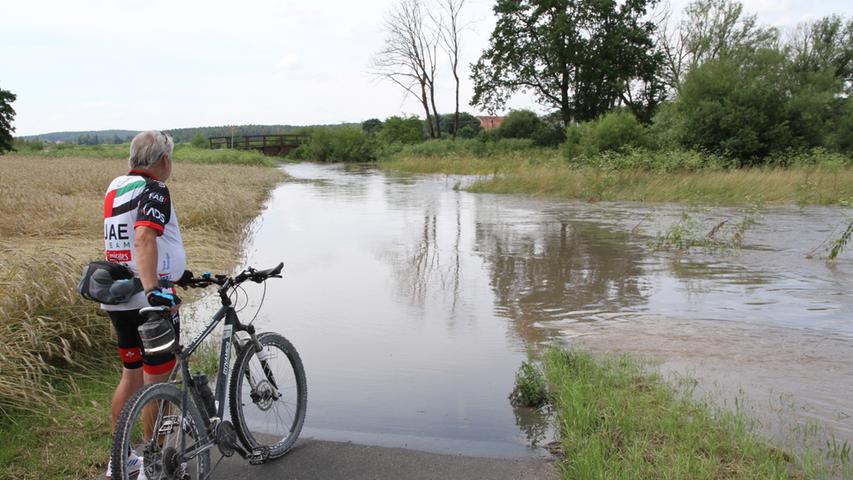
x: 668, y: 160
x: 520, y: 124
x: 807, y: 158
x: 371, y: 126
x: 402, y: 130
x: 469, y: 125
x: 616, y: 131
x: 530, y: 387
x: 200, y: 141
x: 338, y: 144
x: 737, y: 108
x: 840, y: 137
x: 548, y: 135
x: 23, y: 146
x: 665, y: 131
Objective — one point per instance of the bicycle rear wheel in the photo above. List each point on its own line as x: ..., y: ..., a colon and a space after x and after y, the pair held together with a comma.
x: 268, y: 404
x: 167, y: 441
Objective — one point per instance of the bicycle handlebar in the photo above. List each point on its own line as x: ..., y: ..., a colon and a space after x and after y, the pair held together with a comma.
x: 249, y: 273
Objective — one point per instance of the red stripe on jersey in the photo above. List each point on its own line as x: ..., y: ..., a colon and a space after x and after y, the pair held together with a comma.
x: 108, y: 203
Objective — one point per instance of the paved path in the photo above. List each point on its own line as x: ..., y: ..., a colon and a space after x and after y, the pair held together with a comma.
x: 314, y: 459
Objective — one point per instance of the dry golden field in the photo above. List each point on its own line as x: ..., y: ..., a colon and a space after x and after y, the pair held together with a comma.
x: 51, y: 210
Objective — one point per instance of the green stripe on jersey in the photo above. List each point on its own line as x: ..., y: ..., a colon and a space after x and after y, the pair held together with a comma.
x: 130, y: 186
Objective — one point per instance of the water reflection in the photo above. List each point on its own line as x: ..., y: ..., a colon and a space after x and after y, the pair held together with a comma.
x: 559, y: 271
x: 413, y: 304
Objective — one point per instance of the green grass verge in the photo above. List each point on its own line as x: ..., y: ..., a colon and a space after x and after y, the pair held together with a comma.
x: 71, y: 438
x: 544, y: 173
x: 618, y: 418
x: 183, y: 153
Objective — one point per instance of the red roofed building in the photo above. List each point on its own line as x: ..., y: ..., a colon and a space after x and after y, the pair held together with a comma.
x: 489, y: 123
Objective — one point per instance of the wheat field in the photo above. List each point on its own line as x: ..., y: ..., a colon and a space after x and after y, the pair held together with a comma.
x: 51, y: 210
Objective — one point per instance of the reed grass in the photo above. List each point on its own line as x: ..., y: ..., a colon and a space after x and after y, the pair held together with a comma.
x: 51, y: 227
x: 618, y: 418
x: 545, y: 174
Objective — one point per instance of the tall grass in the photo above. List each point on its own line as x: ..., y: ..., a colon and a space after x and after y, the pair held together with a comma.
x: 52, y: 227
x: 674, y: 176
x: 618, y: 418
x: 812, y: 186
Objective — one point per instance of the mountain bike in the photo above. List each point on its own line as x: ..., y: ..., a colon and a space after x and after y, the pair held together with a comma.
x: 174, y: 425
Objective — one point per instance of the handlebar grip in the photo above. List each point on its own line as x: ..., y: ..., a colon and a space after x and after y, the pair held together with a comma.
x: 264, y: 274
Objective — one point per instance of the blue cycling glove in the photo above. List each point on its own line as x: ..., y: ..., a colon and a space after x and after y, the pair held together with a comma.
x: 157, y: 298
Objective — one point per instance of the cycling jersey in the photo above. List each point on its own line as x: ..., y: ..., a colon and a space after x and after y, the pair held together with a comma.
x: 134, y: 200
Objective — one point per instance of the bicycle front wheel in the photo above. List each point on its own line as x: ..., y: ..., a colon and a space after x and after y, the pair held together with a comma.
x: 169, y: 438
x: 269, y: 395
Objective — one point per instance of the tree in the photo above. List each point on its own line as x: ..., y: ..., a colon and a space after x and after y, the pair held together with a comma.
x: 711, y: 29
x: 468, y: 125
x: 7, y: 114
x: 519, y: 124
x: 450, y: 32
x: 409, y: 56
x: 402, y: 130
x: 578, y: 56
x: 738, y: 108
x: 371, y: 126
x: 825, y: 44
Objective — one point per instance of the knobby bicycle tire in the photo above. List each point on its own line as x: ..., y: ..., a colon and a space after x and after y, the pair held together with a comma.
x: 241, y: 396
x: 193, y: 430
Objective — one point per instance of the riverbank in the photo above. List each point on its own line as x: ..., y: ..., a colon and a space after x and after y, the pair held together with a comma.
x: 618, y: 417
x: 544, y: 173
x: 56, y: 348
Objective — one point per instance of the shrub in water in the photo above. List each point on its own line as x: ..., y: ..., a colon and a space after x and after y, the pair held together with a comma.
x: 530, y: 387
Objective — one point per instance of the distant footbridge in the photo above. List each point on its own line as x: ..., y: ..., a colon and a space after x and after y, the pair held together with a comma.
x: 273, y: 145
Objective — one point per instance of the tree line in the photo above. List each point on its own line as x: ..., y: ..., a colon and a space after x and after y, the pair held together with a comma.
x: 716, y: 81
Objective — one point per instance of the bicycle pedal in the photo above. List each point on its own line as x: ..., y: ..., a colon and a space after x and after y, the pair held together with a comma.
x: 168, y: 425
x: 259, y: 456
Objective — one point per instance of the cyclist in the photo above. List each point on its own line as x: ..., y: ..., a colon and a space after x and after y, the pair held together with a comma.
x: 141, y: 231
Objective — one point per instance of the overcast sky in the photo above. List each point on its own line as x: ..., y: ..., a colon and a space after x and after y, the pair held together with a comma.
x: 156, y: 64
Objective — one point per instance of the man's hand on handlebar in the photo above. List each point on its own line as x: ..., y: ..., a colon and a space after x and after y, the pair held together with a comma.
x: 158, y: 298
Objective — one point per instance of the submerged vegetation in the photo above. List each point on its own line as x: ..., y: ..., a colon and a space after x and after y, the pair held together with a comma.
x: 840, y: 243
x: 617, y: 417
x: 49, y: 336
x: 691, y: 232
x: 530, y: 388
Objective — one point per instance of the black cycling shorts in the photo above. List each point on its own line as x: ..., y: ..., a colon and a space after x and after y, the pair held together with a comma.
x: 126, y: 323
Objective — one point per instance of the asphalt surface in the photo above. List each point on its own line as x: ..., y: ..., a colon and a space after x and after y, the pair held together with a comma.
x: 314, y: 459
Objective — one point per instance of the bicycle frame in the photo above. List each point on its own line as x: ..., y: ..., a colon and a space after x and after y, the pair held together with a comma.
x: 230, y: 315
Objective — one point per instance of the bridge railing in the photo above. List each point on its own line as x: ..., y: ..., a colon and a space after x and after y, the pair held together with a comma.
x: 259, y: 142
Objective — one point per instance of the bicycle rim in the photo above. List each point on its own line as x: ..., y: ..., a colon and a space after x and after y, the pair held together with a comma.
x: 153, y: 426
x: 268, y: 406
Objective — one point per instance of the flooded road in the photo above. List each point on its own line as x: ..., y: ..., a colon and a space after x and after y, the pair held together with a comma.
x: 413, y: 304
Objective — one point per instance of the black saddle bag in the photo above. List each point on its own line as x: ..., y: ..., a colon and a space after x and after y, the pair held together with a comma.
x: 108, y: 283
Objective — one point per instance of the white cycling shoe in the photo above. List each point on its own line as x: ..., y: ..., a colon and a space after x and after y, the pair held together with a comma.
x: 134, y: 464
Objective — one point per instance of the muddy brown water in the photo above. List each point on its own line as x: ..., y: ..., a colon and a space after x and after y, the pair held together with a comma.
x: 412, y: 305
